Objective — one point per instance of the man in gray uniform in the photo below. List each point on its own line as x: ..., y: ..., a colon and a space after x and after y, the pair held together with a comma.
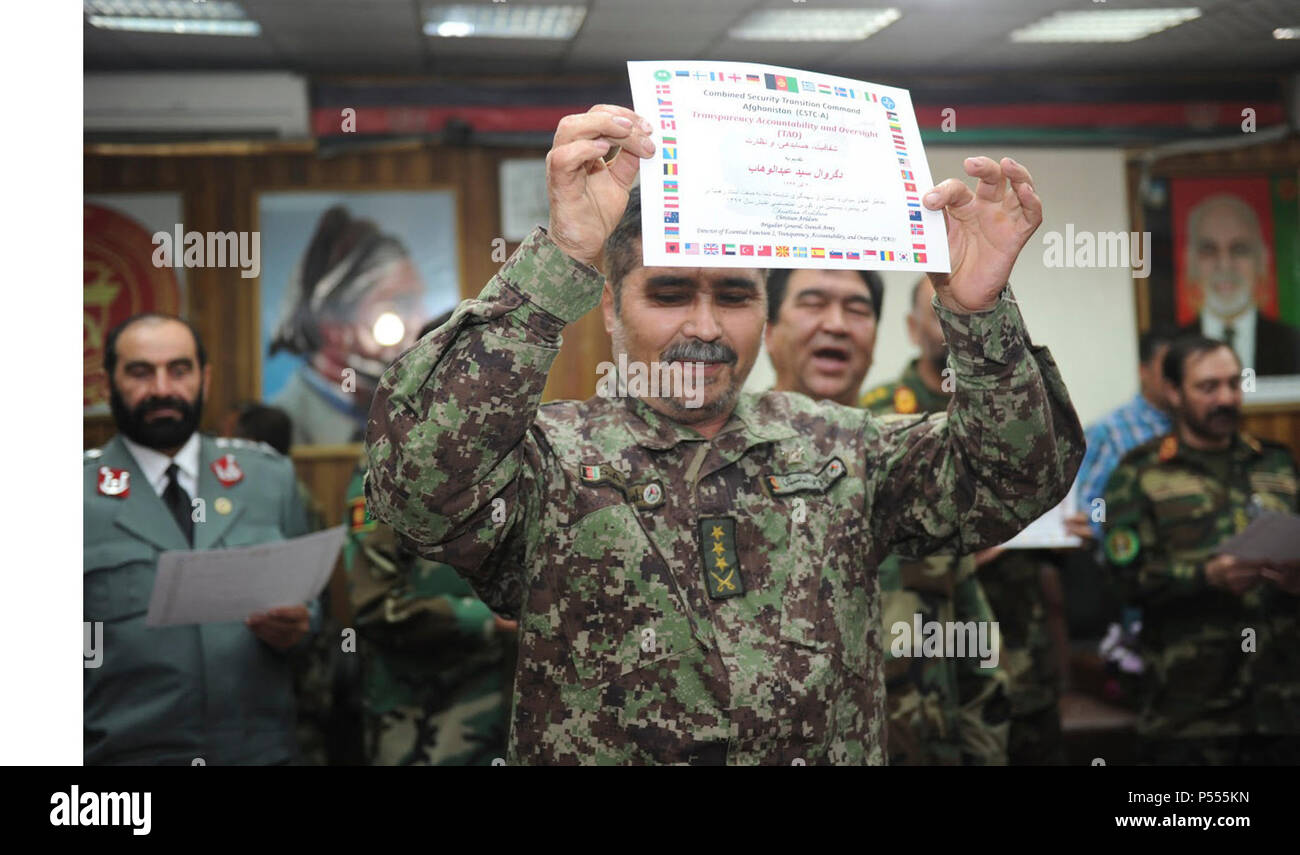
x: 218, y: 693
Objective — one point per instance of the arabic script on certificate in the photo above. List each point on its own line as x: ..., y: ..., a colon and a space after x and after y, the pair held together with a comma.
x: 762, y: 166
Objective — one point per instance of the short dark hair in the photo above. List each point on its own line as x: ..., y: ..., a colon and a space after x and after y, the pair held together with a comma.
x: 623, y: 246
x: 270, y: 425
x: 1154, y: 339
x: 110, y: 343
x: 778, y: 279
x: 1185, y: 347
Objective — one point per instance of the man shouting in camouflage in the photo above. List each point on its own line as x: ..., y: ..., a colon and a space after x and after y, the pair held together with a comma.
x: 695, y: 578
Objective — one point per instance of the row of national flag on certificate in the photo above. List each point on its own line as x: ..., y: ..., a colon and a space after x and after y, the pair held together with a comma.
x: 914, y: 221
x: 775, y: 82
x: 760, y: 250
x: 668, y: 153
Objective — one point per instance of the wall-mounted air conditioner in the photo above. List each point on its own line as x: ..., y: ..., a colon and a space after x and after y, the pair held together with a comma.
x: 225, y: 104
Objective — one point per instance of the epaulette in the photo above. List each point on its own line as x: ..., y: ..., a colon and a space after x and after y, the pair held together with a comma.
x: 876, y: 395
x: 1264, y: 445
x: 1257, y: 444
x: 246, y: 444
x: 1149, y: 451
x: 905, y: 400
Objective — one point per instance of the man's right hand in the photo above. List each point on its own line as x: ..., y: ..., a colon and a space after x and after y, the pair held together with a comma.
x: 1077, y: 525
x: 1231, y: 573
x: 587, y: 195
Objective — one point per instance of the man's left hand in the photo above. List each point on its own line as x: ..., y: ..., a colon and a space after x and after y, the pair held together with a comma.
x: 1285, y: 576
x: 281, y: 627
x: 987, y: 229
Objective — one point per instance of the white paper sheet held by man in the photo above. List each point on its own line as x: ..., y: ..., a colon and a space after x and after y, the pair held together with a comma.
x: 209, y: 586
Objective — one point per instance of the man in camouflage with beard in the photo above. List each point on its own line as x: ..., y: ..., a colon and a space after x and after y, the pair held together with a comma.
x: 1218, y: 638
x: 697, y: 584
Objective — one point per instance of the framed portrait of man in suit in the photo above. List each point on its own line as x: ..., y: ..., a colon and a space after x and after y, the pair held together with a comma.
x: 1234, y: 247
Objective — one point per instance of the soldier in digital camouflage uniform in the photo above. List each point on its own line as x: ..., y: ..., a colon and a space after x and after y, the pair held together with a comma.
x: 437, y: 663
x: 698, y: 585
x: 1218, y: 637
x: 942, y: 711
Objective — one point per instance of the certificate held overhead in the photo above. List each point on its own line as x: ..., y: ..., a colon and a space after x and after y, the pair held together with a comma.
x: 763, y: 166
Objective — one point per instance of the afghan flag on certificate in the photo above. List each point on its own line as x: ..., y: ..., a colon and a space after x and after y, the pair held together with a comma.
x: 784, y: 84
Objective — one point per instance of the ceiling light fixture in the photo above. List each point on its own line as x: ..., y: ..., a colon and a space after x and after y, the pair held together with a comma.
x: 177, y: 17
x: 504, y: 21
x: 813, y: 25
x: 1104, y: 25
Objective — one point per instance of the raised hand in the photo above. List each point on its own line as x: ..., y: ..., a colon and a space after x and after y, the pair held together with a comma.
x: 987, y: 228
x: 587, y: 194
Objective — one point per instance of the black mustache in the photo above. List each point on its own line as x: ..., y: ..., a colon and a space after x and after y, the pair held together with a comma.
x: 151, y: 405
x: 1225, y: 411
x: 699, y: 351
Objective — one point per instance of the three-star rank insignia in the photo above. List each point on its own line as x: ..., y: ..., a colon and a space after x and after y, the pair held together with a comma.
x: 114, y: 482
x: 1122, y: 545
x: 718, y: 554
x: 227, y: 470
x: 904, y: 400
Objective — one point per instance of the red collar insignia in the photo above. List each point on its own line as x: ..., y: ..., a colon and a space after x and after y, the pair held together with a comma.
x: 227, y: 470
x: 114, y: 482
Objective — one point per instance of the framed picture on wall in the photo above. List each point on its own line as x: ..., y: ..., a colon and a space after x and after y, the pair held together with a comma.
x: 120, y: 278
x: 348, y: 278
x: 1227, y: 265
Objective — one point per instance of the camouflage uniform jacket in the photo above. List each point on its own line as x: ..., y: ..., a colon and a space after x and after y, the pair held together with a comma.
x: 633, y: 649
x: 435, y: 687
x: 1167, y: 507
x: 941, y: 710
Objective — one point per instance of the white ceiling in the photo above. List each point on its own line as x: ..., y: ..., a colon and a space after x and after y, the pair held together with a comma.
x: 939, y: 37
